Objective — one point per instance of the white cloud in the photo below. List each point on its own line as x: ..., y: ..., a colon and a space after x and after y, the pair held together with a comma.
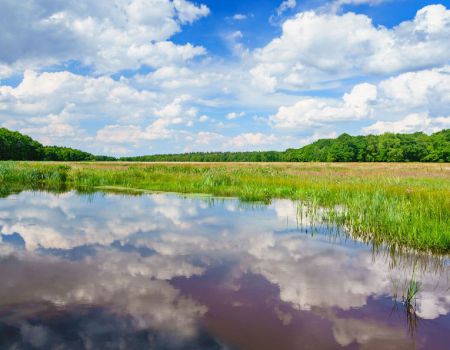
x: 158, y: 111
x: 110, y: 35
x: 234, y: 41
x: 234, y: 115
x: 187, y: 12
x: 173, y: 111
x: 134, y: 114
x: 40, y: 94
x: 411, y: 123
x: 53, y: 128
x: 252, y: 139
x: 417, y: 101
x: 53, y: 107
x: 317, y: 47
x: 220, y: 143
x: 208, y: 138
x: 172, y: 77
x: 239, y: 17
x: 123, y: 134
x: 310, y: 112
x: 428, y: 89
x: 169, y: 115
x: 5, y: 71
x: 286, y: 5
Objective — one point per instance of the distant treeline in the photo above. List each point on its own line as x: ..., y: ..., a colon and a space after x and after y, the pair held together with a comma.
x: 16, y: 146
x: 264, y: 156
x: 417, y: 147
x: 389, y: 147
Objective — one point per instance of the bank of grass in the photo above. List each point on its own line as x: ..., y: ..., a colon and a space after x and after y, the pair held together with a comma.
x: 399, y: 204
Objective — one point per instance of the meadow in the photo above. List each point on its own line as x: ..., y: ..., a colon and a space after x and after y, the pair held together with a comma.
x: 399, y: 204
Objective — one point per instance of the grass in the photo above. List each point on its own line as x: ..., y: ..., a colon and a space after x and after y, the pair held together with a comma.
x: 410, y: 291
x: 405, y: 205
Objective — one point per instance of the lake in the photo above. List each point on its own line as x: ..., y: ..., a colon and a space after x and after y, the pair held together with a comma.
x: 164, y: 271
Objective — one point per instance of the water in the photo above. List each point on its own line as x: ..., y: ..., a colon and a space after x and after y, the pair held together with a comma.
x: 165, y: 271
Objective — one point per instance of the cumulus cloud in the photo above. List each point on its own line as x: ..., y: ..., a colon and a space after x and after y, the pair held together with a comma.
x: 53, y: 107
x: 402, y: 74
x: 132, y: 134
x: 252, y: 139
x: 187, y: 12
x: 425, y: 93
x: 316, y: 47
x: 173, y: 77
x: 425, y: 89
x: 40, y: 94
x: 310, y: 112
x: 411, y: 123
x: 208, y: 138
x: 234, y: 115
x: 108, y: 35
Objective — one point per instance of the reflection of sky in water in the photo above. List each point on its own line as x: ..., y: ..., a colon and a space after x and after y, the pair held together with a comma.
x: 162, y: 270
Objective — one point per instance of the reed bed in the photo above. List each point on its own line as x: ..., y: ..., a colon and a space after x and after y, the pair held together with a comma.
x: 400, y: 204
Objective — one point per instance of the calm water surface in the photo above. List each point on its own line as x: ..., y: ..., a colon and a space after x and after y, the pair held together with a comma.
x: 169, y: 272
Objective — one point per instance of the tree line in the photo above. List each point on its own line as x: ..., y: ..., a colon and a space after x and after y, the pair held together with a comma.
x: 16, y: 146
x: 264, y: 156
x: 388, y: 147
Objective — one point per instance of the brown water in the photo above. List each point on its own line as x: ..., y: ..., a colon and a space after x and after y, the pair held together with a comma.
x: 170, y: 272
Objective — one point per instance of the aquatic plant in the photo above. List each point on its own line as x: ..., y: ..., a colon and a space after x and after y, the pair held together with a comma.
x: 409, y: 302
x: 409, y: 297
x: 410, y: 290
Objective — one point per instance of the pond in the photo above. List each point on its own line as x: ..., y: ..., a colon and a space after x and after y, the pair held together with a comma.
x: 167, y: 271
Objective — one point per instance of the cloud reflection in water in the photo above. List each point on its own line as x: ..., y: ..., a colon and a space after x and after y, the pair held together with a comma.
x: 121, y: 256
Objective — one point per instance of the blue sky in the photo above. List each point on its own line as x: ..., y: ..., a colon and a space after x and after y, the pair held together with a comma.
x: 130, y: 77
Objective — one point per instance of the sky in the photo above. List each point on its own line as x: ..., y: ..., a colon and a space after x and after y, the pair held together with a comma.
x: 135, y: 77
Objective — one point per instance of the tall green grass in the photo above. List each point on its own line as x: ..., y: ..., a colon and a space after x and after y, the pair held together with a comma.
x: 397, y: 209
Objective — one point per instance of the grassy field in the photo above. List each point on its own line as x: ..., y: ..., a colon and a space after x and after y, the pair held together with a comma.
x: 402, y: 204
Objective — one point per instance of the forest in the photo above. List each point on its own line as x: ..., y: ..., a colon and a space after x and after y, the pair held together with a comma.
x: 16, y: 146
x: 416, y: 147
x: 388, y: 147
